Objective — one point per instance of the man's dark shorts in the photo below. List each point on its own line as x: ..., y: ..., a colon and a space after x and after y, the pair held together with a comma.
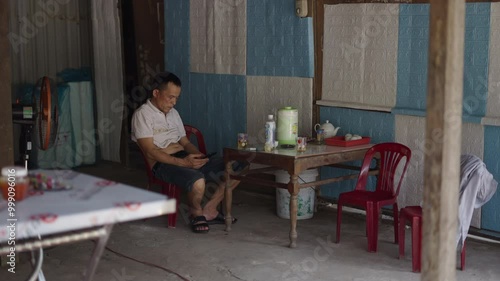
x: 183, y: 177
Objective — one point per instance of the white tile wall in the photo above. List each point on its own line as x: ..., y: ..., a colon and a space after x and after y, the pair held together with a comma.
x: 218, y: 36
x: 360, y: 54
x: 266, y: 94
x: 410, y: 130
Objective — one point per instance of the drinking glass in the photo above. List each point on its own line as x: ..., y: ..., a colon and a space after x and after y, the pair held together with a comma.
x: 242, y: 140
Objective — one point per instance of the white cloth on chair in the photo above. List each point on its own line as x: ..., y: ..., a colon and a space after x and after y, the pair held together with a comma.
x: 477, y: 186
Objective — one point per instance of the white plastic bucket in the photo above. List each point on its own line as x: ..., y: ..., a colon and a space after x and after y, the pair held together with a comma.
x: 305, y: 199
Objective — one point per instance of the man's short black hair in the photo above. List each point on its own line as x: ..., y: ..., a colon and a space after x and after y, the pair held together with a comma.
x: 161, y: 80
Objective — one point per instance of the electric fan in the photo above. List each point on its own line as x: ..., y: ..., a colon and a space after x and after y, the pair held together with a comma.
x: 38, y: 119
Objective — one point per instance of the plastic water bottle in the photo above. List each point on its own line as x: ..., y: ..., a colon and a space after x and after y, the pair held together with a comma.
x: 270, y: 133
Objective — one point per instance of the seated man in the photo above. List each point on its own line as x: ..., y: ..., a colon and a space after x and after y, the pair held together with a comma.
x: 158, y: 130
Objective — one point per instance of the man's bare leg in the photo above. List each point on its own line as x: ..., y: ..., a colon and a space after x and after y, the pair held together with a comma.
x: 210, y: 209
x: 194, y: 200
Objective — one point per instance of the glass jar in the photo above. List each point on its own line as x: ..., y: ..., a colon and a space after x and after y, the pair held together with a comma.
x: 320, y: 136
x: 14, y: 183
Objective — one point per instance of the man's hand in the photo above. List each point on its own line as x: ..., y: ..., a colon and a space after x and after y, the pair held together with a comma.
x: 195, y: 161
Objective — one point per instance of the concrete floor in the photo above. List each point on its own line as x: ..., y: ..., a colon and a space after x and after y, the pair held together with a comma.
x: 256, y: 249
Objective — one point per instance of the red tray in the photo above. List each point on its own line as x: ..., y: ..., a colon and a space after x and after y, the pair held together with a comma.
x: 340, y: 141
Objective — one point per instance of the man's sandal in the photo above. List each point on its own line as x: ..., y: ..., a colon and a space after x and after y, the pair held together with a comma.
x: 199, y: 225
x: 220, y: 219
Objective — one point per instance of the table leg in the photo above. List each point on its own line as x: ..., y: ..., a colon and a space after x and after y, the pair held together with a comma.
x: 317, y: 194
x: 293, y: 188
x: 37, y: 265
x: 228, y: 196
x: 98, y: 250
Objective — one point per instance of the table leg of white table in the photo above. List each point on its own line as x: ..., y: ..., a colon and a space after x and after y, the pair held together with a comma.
x: 98, y: 250
x: 37, y: 265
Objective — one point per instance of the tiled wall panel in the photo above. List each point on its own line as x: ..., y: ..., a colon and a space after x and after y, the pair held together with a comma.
x: 378, y: 125
x: 266, y: 94
x: 279, y: 43
x: 177, y: 50
x: 413, y: 60
x: 218, y: 108
x: 410, y: 130
x: 491, y: 210
x: 494, y: 65
x: 360, y: 54
x: 412, y: 56
x: 218, y: 36
x: 386, y: 46
x: 177, y: 37
x: 477, y: 33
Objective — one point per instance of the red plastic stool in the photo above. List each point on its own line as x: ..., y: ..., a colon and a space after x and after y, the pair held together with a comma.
x: 414, y: 215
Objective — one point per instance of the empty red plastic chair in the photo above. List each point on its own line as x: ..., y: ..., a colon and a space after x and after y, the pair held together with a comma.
x: 390, y: 156
x: 414, y: 215
x: 171, y: 190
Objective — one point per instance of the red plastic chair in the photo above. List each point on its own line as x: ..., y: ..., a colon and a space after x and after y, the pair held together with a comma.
x: 386, y: 191
x: 414, y: 215
x: 169, y: 189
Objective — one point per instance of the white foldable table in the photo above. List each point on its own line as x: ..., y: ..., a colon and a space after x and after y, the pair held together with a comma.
x: 86, y: 211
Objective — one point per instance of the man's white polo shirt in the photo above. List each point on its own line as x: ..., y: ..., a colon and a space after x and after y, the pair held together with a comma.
x: 148, y: 121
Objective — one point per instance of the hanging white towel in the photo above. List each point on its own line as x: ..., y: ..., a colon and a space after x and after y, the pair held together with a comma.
x: 477, y: 186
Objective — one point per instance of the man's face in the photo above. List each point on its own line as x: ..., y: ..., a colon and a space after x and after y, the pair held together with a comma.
x: 166, y: 99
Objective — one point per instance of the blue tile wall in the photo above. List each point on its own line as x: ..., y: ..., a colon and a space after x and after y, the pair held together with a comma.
x: 218, y: 108
x: 215, y: 104
x: 413, y: 55
x: 281, y: 44
x: 490, y: 212
x: 177, y: 50
x: 476, y: 59
x: 278, y: 42
x: 177, y: 36
x: 380, y: 126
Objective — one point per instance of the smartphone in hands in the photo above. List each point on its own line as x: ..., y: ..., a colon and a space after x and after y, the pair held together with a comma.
x: 209, y: 155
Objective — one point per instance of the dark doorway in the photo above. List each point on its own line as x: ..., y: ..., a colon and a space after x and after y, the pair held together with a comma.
x: 143, y: 43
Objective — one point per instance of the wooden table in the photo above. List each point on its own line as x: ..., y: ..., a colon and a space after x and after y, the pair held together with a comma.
x: 294, y: 163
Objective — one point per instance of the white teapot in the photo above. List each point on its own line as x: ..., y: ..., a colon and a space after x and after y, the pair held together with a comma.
x: 328, y: 128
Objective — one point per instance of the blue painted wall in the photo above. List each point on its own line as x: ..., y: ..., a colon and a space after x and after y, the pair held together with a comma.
x: 412, y: 80
x: 490, y: 212
x: 177, y: 52
x: 215, y: 104
x: 476, y: 59
x: 219, y: 108
x: 278, y: 42
x: 412, y: 90
x: 413, y: 60
x: 413, y: 48
x: 378, y: 125
x: 177, y: 38
x: 281, y: 44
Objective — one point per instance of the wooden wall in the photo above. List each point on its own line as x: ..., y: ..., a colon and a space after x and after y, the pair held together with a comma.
x: 6, y: 135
